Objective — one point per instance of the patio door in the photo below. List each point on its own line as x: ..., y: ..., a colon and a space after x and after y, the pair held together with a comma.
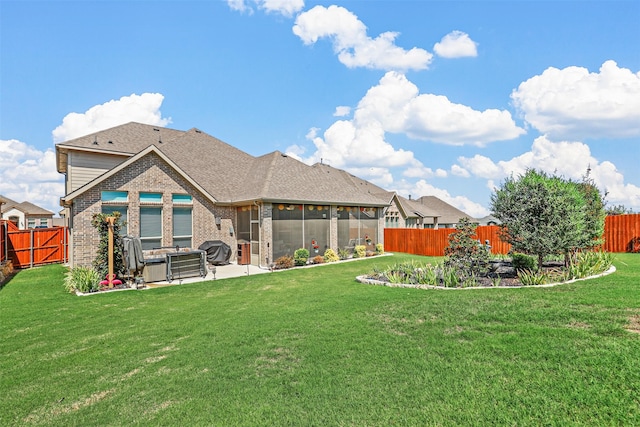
x: 249, y: 230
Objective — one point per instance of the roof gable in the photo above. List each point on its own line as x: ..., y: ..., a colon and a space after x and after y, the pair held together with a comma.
x: 151, y: 149
x: 448, y: 214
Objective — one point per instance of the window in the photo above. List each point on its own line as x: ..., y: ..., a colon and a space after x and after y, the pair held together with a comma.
x: 115, y: 197
x: 182, y: 226
x: 150, y: 227
x: 182, y: 199
x: 31, y: 223
x: 150, y: 198
x: 116, y: 201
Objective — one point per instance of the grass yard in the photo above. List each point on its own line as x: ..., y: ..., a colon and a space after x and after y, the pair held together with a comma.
x: 312, y: 347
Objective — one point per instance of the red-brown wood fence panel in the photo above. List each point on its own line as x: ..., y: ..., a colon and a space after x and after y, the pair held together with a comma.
x: 622, y: 233
x: 3, y: 246
x: 431, y: 242
x: 36, y: 246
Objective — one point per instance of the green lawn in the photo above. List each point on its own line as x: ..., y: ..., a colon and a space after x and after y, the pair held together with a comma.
x: 312, y: 347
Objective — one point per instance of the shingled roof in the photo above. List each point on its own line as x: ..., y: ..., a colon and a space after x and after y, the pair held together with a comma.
x: 447, y: 214
x: 230, y: 175
x: 415, y: 209
x: 27, y: 208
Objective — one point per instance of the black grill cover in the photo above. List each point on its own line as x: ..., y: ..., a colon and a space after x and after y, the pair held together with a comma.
x: 218, y: 252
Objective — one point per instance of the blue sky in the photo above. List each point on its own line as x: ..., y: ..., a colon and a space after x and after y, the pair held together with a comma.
x: 443, y: 98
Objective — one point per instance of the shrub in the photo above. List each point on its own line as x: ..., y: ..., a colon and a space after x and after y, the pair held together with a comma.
x: 301, y: 256
x: 532, y: 278
x: 83, y: 279
x: 590, y: 263
x: 344, y: 253
x: 523, y: 262
x: 379, y: 248
x: 330, y: 256
x: 465, y: 254
x: 101, y: 262
x: 360, y: 251
x: 284, y: 262
x: 318, y: 259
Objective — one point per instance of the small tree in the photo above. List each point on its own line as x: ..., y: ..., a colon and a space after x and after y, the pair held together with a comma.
x: 101, y: 262
x: 543, y: 215
x: 465, y: 253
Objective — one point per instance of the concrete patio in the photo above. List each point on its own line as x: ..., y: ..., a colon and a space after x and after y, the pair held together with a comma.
x: 221, y: 272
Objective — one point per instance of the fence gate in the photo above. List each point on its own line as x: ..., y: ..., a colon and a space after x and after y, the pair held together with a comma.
x: 36, y: 246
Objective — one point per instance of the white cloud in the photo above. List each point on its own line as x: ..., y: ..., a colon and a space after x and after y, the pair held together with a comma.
x: 347, y: 144
x: 573, y: 103
x: 342, y: 111
x: 351, y: 43
x: 28, y: 174
x: 457, y: 170
x: 398, y: 106
x: 456, y: 44
x: 286, y: 8
x: 239, y: 5
x: 423, y: 188
x: 568, y: 159
x: 143, y: 108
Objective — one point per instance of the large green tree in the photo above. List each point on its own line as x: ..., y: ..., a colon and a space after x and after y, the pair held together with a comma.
x: 544, y: 215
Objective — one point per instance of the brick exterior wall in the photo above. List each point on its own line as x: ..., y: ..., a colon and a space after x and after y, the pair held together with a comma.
x: 149, y: 174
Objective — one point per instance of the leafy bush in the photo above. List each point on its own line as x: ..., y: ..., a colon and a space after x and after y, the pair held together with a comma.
x: 318, y: 259
x: 523, y: 262
x: 284, y: 262
x: 83, y: 279
x: 330, y: 256
x: 301, y: 256
x: 360, y: 251
x: 379, y: 248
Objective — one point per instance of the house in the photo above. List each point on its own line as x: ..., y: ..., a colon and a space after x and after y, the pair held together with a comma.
x: 407, y: 213
x: 25, y: 215
x: 425, y: 212
x: 449, y: 215
x: 182, y: 188
x: 489, y: 220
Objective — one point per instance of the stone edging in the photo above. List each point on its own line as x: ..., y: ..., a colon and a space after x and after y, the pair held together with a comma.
x: 367, y: 281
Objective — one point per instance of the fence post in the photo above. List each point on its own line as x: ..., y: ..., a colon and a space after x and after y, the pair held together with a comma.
x: 31, y: 249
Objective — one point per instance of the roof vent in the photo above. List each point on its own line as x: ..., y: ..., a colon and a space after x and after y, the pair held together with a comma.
x: 156, y: 129
x: 95, y: 141
x: 110, y: 142
x: 283, y: 155
x: 198, y: 131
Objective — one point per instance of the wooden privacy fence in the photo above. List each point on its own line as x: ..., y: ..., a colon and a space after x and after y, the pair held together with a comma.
x: 621, y: 234
x: 36, y: 246
x: 431, y: 242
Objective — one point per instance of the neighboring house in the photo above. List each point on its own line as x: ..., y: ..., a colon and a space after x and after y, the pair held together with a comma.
x: 425, y: 212
x: 489, y: 220
x: 449, y: 216
x: 25, y: 215
x: 186, y: 187
x: 407, y: 213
